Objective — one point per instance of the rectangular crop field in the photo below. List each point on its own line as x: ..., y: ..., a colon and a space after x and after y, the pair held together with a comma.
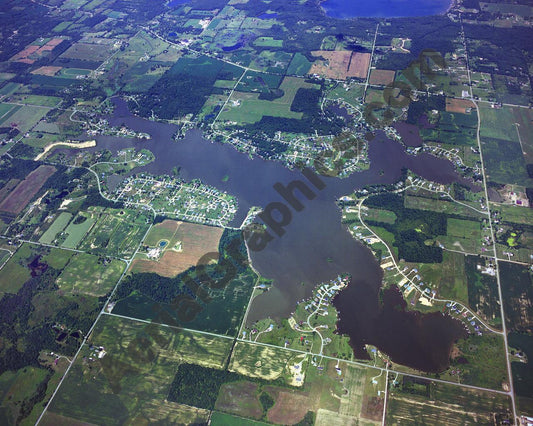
x: 441, y: 404
x: 182, y: 244
x: 19, y: 197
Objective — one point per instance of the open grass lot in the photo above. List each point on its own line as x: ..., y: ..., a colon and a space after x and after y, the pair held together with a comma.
x: 353, y: 94
x: 89, y: 274
x: 268, y: 42
x: 417, y: 401
x: 248, y: 108
x: 185, y: 242
x: 59, y: 224
x: 447, y: 278
x: 523, y: 119
x: 517, y: 288
x: 379, y: 215
x: 4, y: 110
x: 117, y: 232
x: 485, y: 361
x: 37, y: 100
x: 15, y: 272
x: 22, y: 194
x: 224, y: 419
x: 299, y: 65
x: 16, y: 387
x: 513, y: 214
x: 131, y: 382
x: 462, y: 235
x: 435, y: 205
x: 498, y: 123
x: 504, y: 162
x: 77, y: 229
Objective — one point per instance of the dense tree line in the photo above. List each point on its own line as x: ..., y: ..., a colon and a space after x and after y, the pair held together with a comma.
x: 424, y: 104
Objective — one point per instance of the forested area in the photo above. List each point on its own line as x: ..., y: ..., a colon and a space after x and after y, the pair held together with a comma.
x: 411, y: 229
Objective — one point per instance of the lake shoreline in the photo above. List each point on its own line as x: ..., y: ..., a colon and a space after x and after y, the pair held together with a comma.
x: 329, y: 13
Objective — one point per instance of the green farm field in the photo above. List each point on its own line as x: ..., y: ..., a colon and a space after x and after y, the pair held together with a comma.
x: 90, y: 274
x: 15, y: 272
x: 76, y: 231
x: 132, y: 379
x: 248, y: 108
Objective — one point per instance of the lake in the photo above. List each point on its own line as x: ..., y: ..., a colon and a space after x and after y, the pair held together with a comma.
x: 316, y: 246
x: 345, y: 9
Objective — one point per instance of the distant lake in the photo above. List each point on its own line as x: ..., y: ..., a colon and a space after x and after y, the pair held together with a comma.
x: 345, y: 9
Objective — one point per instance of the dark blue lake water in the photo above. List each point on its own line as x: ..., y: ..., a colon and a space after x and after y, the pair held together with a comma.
x: 345, y: 9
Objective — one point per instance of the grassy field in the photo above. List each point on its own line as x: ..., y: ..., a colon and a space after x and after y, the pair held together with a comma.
x: 448, y: 277
x: 89, y: 274
x: 423, y: 203
x: 76, y: 231
x: 462, y: 235
x: 299, y: 65
x: 38, y: 100
x: 16, y: 388
x: 248, y: 108
x: 379, y: 215
x: 4, y: 109
x: 132, y: 380
x: 224, y: 419
x: 27, y: 116
x: 268, y: 42
x: 498, y: 123
x: 59, y: 224
x: 513, y: 214
x: 55, y: 257
x: 15, y: 272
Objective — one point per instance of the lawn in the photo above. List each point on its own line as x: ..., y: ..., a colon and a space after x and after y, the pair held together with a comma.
x: 59, y: 224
